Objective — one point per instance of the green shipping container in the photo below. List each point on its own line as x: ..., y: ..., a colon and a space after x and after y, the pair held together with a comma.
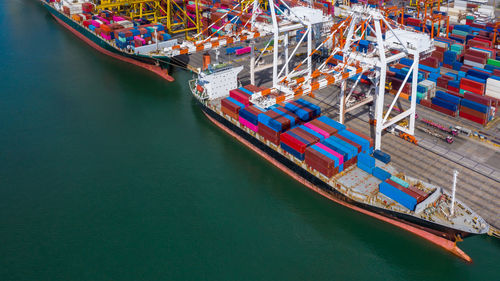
x: 400, y: 181
x: 493, y: 62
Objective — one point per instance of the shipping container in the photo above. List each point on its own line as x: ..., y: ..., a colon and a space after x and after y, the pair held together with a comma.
x: 337, y: 144
x: 400, y: 181
x: 366, y: 159
x: 381, y: 174
x: 323, y: 126
x: 382, y: 156
x: 332, y: 123
x: 397, y: 195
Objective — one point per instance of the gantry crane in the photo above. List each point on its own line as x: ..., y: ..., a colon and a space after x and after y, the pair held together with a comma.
x: 172, y: 13
x: 393, y: 44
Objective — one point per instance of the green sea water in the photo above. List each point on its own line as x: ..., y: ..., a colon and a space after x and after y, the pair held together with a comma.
x: 108, y: 172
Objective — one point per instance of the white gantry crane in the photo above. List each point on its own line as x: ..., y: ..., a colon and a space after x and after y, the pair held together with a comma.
x: 388, y: 42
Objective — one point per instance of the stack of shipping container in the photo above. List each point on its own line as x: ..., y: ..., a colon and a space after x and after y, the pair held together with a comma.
x: 323, y: 144
x: 471, y: 88
x: 124, y: 31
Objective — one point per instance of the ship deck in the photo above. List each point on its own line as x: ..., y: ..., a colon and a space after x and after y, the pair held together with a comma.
x: 363, y: 187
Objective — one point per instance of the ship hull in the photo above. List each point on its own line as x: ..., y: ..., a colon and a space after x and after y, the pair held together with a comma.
x: 157, y: 65
x: 438, y: 230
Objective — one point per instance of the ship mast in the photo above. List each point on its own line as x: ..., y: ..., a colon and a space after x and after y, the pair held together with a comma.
x: 453, y: 191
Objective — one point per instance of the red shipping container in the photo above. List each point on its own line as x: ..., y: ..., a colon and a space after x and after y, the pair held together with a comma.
x: 325, y: 127
x: 253, y: 88
x: 442, y: 81
x: 240, y: 96
x: 358, y: 147
x: 485, y: 40
x: 453, y: 89
x: 472, y: 86
x: 478, y: 25
x: 454, y: 93
x: 419, y: 192
x: 413, y: 21
x: 465, y: 68
x: 405, y: 190
x: 477, y: 43
x: 231, y: 107
x: 268, y: 133
x: 473, y: 112
x: 472, y: 118
x: 476, y: 53
x: 292, y: 142
x: 443, y: 110
x: 439, y: 55
x: 320, y: 162
x: 431, y: 62
x: 472, y: 58
x: 312, y: 139
x: 479, y: 99
x: 351, y: 162
x: 228, y: 112
x: 426, y: 103
x: 440, y: 49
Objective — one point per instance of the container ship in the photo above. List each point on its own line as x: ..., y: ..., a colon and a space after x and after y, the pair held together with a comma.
x: 333, y: 160
x: 134, y: 41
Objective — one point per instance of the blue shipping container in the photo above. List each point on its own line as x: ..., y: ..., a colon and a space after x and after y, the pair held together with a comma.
x: 292, y: 151
x: 476, y: 106
x: 327, y: 154
x: 382, y: 156
x: 445, y: 104
x: 381, y: 174
x: 312, y: 132
x: 365, y: 168
x: 332, y: 123
x: 303, y: 115
x: 365, y: 144
x: 366, y: 159
x: 336, y: 142
x: 397, y: 195
x: 336, y: 147
x: 447, y: 97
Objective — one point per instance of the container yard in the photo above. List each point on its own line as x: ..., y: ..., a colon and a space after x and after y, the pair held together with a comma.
x: 387, y: 109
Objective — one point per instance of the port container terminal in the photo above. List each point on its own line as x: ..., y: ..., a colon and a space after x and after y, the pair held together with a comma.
x: 444, y: 130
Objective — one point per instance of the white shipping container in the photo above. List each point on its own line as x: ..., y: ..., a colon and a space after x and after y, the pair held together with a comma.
x: 473, y: 63
x: 126, y: 23
x: 493, y: 88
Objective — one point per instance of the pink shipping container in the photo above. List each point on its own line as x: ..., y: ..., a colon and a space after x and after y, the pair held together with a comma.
x: 117, y: 18
x: 316, y: 129
x: 143, y: 41
x: 105, y: 21
x: 331, y: 151
x: 95, y: 23
x: 249, y: 125
x: 107, y: 37
x: 242, y: 51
